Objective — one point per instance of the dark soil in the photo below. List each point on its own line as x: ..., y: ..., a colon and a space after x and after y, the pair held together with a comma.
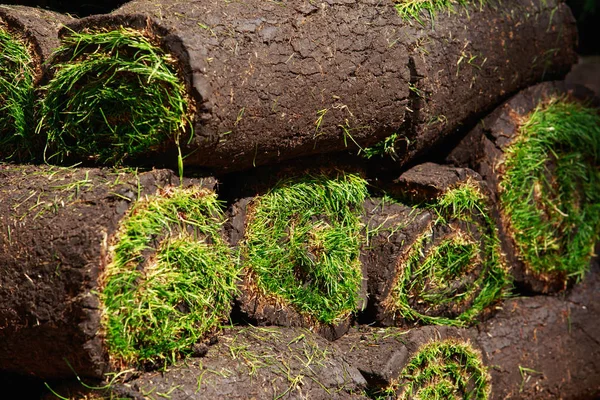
x: 249, y: 74
x: 256, y: 363
x: 56, y: 227
x: 546, y: 347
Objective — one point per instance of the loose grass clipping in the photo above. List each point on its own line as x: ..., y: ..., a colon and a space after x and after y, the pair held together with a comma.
x: 114, y: 94
x: 454, y: 270
x: 172, y: 278
x: 16, y: 94
x: 302, y: 245
x: 550, y: 188
x: 448, y: 369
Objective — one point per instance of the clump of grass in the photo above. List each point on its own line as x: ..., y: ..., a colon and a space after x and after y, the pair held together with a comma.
x: 172, y: 278
x: 550, y: 188
x: 446, y: 369
x: 16, y: 95
x: 387, y: 147
x: 449, y: 277
x: 415, y: 9
x: 114, y: 94
x: 303, y: 242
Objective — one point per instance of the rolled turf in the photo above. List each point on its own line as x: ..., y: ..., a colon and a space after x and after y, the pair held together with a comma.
x: 540, y: 155
x: 438, y: 261
x: 27, y: 38
x: 234, y: 85
x: 107, y: 269
x: 300, y: 253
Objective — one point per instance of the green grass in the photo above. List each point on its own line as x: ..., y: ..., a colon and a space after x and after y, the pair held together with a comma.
x: 113, y: 95
x: 445, y: 370
x: 416, y: 9
x: 550, y: 188
x: 387, y: 147
x: 436, y: 274
x: 303, y: 242
x: 16, y: 96
x: 172, y: 278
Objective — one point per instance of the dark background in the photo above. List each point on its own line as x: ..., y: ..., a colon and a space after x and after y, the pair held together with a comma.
x: 587, y: 13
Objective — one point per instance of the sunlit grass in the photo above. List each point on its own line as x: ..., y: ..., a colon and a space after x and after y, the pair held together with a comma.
x: 303, y: 243
x: 114, y: 94
x: 172, y: 278
x: 550, y: 188
x: 16, y: 97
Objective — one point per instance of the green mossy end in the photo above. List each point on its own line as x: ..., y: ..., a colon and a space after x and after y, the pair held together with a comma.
x: 172, y: 278
x: 415, y: 9
x: 447, y: 369
x: 16, y: 96
x: 302, y: 245
x: 117, y: 95
x: 437, y: 276
x: 550, y: 188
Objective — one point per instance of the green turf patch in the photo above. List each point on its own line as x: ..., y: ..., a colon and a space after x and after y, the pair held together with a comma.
x: 416, y: 9
x: 113, y: 95
x: 446, y: 370
x: 16, y: 96
x: 550, y: 188
x: 302, y: 245
x: 454, y: 270
x: 172, y: 278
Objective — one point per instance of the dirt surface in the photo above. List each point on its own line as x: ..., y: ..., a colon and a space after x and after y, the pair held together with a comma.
x: 273, y: 83
x: 254, y: 363
x: 56, y: 223
x: 38, y: 27
x: 483, y: 149
x: 546, y: 347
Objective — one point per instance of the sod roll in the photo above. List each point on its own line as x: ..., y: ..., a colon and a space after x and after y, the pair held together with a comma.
x: 436, y: 260
x: 103, y: 269
x: 27, y: 38
x: 300, y: 252
x: 540, y: 153
x: 239, y: 84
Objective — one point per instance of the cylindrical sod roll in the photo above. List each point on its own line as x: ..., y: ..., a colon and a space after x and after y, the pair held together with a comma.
x: 235, y: 85
x: 300, y: 253
x: 446, y: 264
x: 103, y: 269
x: 540, y: 156
x: 27, y: 38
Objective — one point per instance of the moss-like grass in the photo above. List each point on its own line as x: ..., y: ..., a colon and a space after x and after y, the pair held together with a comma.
x: 302, y: 245
x: 416, y: 9
x: 16, y: 96
x: 172, y: 278
x: 550, y: 188
x: 114, y: 94
x: 450, y: 281
x: 447, y: 370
